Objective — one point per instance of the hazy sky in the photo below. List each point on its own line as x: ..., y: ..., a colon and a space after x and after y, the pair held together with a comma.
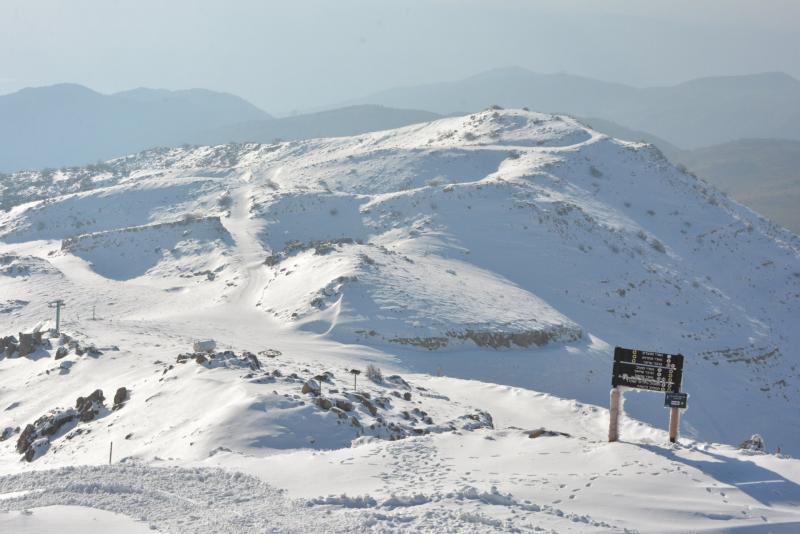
x: 303, y: 54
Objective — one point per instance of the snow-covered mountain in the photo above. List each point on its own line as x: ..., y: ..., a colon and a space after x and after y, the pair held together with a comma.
x: 504, y: 247
x: 692, y: 114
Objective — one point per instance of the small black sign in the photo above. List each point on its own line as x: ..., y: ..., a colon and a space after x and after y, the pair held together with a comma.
x: 653, y: 371
x: 675, y: 400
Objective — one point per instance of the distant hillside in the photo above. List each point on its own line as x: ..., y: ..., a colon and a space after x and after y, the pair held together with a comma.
x: 70, y: 124
x: 697, y: 113
x: 351, y: 120
x: 764, y: 174
x: 629, y: 134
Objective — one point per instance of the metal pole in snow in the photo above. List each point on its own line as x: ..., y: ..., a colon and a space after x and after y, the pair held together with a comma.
x: 57, y: 304
x: 110, y: 450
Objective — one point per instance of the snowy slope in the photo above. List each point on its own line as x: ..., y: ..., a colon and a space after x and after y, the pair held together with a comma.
x: 507, y: 247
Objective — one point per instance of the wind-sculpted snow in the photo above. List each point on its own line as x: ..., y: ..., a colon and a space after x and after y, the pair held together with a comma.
x: 133, y: 251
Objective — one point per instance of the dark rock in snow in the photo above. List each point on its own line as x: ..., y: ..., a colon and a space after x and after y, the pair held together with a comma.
x: 61, y: 352
x: 35, y: 439
x: 311, y: 386
x: 252, y: 360
x: 344, y: 405
x: 8, y: 432
x: 397, y: 380
x: 89, y: 407
x: 477, y: 420
x: 120, y: 397
x: 754, y: 443
x: 26, y: 344
x: 26, y: 438
x: 36, y: 449
x: 362, y: 398
x: 543, y: 432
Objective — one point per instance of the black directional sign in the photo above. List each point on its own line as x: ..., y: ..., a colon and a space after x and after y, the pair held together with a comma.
x: 675, y: 400
x: 643, y: 357
x: 653, y: 371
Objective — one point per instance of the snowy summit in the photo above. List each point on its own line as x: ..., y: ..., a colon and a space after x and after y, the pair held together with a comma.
x: 476, y: 272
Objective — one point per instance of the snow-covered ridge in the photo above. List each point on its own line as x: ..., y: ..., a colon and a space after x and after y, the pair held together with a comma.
x: 507, y: 246
x: 503, y: 229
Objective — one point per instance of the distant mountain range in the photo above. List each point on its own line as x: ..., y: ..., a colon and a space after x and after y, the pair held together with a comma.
x: 741, y: 133
x: 69, y: 124
x: 350, y: 120
x: 696, y: 113
x: 763, y: 174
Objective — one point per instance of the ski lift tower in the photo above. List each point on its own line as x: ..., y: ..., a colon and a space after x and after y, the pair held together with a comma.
x: 57, y: 304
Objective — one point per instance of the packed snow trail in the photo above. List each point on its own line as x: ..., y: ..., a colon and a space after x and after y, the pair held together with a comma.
x: 249, y: 252
x: 177, y: 501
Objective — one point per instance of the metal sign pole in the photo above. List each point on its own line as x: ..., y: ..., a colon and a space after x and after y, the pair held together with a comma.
x: 57, y: 304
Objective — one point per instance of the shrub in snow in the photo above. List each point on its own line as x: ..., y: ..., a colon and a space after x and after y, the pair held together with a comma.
x: 374, y: 373
x: 659, y: 246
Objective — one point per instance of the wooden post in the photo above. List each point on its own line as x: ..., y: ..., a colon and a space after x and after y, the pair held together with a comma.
x: 613, y: 423
x: 674, y: 420
x: 110, y: 449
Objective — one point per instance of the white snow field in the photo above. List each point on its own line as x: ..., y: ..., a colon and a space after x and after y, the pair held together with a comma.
x: 486, y: 264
